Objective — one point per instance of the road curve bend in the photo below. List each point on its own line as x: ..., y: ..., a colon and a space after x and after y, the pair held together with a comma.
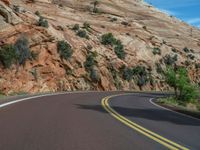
x: 94, y: 120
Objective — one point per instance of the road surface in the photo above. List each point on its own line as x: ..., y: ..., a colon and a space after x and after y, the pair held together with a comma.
x: 89, y: 121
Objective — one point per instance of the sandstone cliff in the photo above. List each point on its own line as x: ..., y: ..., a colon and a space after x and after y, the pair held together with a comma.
x: 150, y: 39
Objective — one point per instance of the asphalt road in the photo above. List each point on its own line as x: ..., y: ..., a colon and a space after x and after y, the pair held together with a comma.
x: 79, y: 122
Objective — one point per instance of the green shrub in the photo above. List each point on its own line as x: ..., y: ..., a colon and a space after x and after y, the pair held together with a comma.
x: 95, y: 9
x: 179, y: 80
x: 17, y: 53
x: 159, y: 68
x: 187, y: 63
x: 197, y: 65
x: 113, y: 19
x: 82, y: 34
x: 8, y: 55
x: 141, y: 81
x: 89, y: 66
x: 76, y: 27
x: 34, y: 73
x: 124, y: 23
x: 127, y: 73
x: 156, y: 51
x: 64, y: 50
x: 191, y: 56
x: 90, y: 62
x: 16, y: 8
x: 174, y: 50
x: 144, y: 27
x: 94, y: 75
x: 86, y: 25
x: 22, y: 50
x: 108, y: 39
x: 89, y: 47
x: 141, y: 76
x: 119, y: 51
x: 186, y: 50
x: 115, y: 76
x: 37, y: 13
x: 170, y: 60
x: 139, y: 70
x: 164, y: 42
x: 43, y: 22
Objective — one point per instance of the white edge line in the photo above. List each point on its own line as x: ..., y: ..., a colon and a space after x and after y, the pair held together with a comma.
x: 42, y: 95
x: 151, y: 101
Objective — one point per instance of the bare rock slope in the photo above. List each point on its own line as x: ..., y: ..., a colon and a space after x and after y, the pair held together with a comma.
x: 150, y: 39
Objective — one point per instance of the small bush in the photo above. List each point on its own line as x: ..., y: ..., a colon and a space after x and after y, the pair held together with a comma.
x: 17, y: 53
x: 108, y: 39
x: 37, y: 13
x: 159, y: 68
x: 89, y: 47
x: 43, y: 22
x: 170, y: 60
x: 197, y: 65
x: 164, y: 42
x: 76, y: 27
x: 174, y: 50
x: 16, y: 8
x: 96, y: 10
x: 124, y: 23
x: 187, y: 63
x: 64, y: 50
x: 139, y: 70
x: 86, y: 25
x: 113, y: 19
x: 156, y: 51
x: 191, y: 56
x: 89, y: 66
x: 90, y: 62
x: 141, y: 76
x: 127, y: 73
x: 119, y: 51
x: 22, y: 50
x: 60, y: 5
x: 8, y: 55
x: 186, y: 50
x: 94, y: 75
x: 82, y: 34
x: 144, y: 27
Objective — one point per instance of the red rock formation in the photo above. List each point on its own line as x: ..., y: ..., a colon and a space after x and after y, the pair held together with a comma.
x: 7, y: 2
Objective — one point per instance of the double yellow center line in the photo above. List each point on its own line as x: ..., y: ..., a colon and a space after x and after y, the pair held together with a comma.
x: 167, y: 143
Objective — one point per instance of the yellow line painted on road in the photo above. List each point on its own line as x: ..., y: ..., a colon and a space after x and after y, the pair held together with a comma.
x: 167, y: 143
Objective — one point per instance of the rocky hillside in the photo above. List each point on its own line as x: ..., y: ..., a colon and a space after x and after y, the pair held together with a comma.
x: 91, y: 45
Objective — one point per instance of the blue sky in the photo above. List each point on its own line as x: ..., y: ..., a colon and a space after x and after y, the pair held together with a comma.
x: 186, y: 10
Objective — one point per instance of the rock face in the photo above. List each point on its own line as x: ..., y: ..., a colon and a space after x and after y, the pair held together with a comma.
x: 7, y: 16
x: 141, y: 28
x: 7, y: 2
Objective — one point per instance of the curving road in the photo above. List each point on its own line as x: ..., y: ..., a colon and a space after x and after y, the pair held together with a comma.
x: 89, y: 121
